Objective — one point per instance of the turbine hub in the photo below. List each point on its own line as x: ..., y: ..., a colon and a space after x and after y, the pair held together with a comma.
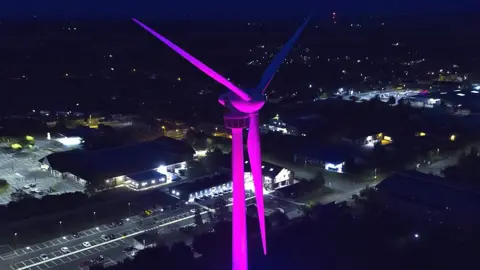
x: 235, y: 103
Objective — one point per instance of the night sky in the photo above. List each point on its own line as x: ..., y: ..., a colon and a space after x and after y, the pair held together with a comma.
x: 213, y: 9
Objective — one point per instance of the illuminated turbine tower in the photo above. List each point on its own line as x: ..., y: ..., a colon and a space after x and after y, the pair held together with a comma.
x: 243, y: 106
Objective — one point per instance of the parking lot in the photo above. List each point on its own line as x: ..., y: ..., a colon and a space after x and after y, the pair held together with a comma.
x: 78, y: 252
x: 83, y: 252
x: 21, y: 168
x: 70, y: 258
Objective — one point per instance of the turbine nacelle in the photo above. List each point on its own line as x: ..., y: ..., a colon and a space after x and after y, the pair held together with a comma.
x: 234, y: 102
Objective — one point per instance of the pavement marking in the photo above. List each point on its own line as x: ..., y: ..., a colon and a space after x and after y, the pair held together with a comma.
x: 113, y: 240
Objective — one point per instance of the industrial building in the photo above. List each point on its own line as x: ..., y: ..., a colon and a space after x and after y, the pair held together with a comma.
x: 162, y: 160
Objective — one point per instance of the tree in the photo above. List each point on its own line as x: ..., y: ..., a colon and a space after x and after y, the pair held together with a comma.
x: 3, y: 185
x: 278, y: 218
x: 221, y: 209
x: 198, y: 218
x: 19, y: 195
x: 182, y: 256
x: 391, y: 101
x: 90, y: 188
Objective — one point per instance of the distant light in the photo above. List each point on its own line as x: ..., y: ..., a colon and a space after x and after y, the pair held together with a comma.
x: 70, y: 141
x: 416, y: 235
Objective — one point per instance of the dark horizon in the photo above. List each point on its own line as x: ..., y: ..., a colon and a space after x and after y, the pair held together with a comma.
x: 216, y: 9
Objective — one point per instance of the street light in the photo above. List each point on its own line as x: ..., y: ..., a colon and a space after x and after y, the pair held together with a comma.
x: 94, y: 219
x: 375, y: 173
x: 61, y: 228
x: 15, y: 234
x: 128, y: 209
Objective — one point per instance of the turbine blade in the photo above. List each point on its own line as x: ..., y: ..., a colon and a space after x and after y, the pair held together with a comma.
x: 254, y: 154
x: 207, y: 70
x: 280, y: 57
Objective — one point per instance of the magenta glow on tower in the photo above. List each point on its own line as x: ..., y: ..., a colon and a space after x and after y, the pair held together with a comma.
x: 243, y: 107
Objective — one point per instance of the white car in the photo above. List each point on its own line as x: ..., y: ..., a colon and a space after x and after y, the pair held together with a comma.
x: 65, y: 250
x: 193, y: 210
x: 44, y: 257
x: 86, y: 244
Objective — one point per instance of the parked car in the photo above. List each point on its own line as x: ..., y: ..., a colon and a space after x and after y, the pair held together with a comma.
x: 86, y: 244
x: 76, y: 235
x: 44, y: 257
x: 65, y: 250
x: 104, y: 237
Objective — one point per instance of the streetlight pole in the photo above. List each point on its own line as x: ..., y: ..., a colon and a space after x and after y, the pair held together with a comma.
x: 128, y: 209
x: 94, y: 219
x: 15, y: 234
x: 61, y: 228
x: 375, y: 173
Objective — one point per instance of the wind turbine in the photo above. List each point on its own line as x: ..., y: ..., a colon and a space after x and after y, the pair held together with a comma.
x: 243, y: 105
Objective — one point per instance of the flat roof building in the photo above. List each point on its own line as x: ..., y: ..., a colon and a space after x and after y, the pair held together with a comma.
x: 167, y: 156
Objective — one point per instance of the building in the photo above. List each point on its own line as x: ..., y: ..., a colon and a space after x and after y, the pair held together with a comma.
x: 369, y: 138
x: 275, y: 177
x: 145, y: 179
x: 333, y: 157
x: 430, y: 196
x: 278, y: 125
x: 207, y: 186
x: 112, y: 165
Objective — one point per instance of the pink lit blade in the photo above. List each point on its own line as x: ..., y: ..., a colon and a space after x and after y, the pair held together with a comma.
x: 255, y: 156
x: 280, y: 57
x: 239, y: 225
x: 210, y: 72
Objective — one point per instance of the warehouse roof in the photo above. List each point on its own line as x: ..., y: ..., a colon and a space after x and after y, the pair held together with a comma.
x: 117, y: 161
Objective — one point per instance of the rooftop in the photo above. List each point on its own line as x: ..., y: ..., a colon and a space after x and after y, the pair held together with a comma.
x: 146, y: 176
x: 432, y: 191
x: 202, y: 184
x: 268, y: 169
x: 117, y: 161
